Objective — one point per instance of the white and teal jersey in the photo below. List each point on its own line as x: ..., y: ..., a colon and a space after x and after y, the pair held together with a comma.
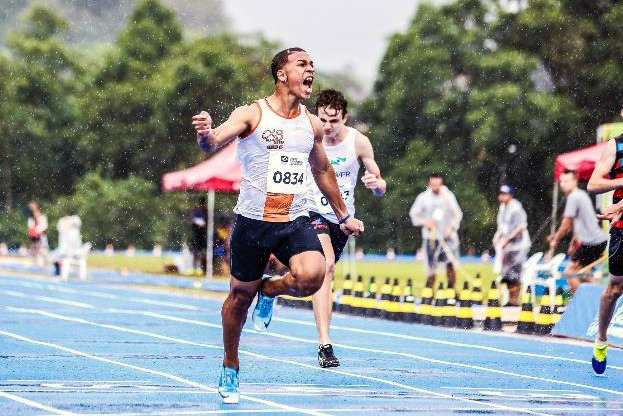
x: 343, y: 158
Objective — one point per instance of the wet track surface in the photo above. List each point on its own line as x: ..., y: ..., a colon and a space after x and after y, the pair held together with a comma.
x: 99, y: 348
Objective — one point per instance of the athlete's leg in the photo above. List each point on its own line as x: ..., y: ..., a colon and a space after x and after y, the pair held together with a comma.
x: 609, y: 299
x: 234, y: 315
x: 607, y: 303
x: 322, y: 299
x: 307, y: 270
x: 248, y: 261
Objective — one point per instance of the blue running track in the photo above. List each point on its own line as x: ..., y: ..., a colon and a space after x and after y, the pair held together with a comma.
x: 101, y: 347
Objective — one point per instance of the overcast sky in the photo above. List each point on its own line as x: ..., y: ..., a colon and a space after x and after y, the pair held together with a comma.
x: 339, y: 34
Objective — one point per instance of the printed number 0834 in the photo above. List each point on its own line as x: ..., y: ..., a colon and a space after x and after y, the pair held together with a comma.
x: 287, y: 177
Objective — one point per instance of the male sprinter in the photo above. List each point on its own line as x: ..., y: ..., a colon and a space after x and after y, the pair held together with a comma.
x: 278, y: 138
x: 513, y: 239
x: 439, y: 215
x: 608, y: 176
x: 589, y: 240
x: 347, y: 149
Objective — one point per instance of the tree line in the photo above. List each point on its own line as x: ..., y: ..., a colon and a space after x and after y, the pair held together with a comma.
x: 484, y: 92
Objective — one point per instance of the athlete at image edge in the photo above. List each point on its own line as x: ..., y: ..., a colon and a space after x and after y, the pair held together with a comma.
x: 608, y: 177
x: 293, y: 77
x: 347, y: 149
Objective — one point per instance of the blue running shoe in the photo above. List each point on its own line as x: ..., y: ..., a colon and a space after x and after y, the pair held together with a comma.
x: 263, y: 312
x: 599, y: 357
x: 229, y: 386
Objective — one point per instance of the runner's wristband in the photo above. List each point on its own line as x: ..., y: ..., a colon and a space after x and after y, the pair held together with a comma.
x: 204, y: 145
x: 343, y: 220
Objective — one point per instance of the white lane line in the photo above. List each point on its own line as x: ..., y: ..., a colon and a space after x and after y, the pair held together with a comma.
x: 512, y: 389
x: 162, y: 316
x: 47, y: 299
x: 378, y: 351
x: 338, y: 410
x: 63, y: 289
x: 183, y: 341
x: 379, y: 410
x: 79, y: 381
x: 423, y: 339
x: 31, y: 403
x: 164, y: 303
x: 154, y: 372
x: 443, y: 342
x: 109, y: 326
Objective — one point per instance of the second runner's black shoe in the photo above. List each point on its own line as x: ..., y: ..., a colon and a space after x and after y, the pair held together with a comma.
x: 326, y: 357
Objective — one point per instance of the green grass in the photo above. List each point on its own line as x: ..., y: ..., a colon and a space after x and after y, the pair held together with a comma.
x: 144, y: 264
x: 381, y: 270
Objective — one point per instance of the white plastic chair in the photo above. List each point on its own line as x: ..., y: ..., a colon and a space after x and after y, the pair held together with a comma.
x: 550, y: 269
x: 76, y: 258
x: 528, y: 269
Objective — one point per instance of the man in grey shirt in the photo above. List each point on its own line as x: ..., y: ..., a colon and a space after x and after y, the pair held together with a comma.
x: 589, y: 241
x: 511, y: 240
x: 439, y: 215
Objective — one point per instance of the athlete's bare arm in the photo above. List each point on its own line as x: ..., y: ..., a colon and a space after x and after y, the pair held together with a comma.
x: 239, y: 122
x: 599, y: 182
x: 372, y: 178
x: 565, y: 227
x: 324, y: 175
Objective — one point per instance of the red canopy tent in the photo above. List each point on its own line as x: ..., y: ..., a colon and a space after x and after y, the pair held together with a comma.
x: 582, y: 161
x: 220, y: 173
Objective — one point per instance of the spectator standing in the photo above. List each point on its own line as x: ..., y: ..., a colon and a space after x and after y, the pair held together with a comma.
x: 512, y: 241
x: 37, y: 227
x: 199, y: 222
x: 438, y: 213
x: 589, y: 240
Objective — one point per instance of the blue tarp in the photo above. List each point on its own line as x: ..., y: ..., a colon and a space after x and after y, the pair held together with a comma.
x: 580, y: 317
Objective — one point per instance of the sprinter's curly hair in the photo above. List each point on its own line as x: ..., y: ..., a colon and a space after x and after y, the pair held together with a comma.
x: 333, y: 99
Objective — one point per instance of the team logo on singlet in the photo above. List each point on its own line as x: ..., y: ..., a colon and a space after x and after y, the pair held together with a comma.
x: 273, y: 138
x: 291, y: 161
x: 338, y: 160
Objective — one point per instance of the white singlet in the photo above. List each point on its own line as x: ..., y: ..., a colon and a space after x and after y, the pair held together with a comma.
x: 343, y: 158
x: 274, y: 162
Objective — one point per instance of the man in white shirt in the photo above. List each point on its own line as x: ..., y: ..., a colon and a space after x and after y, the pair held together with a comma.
x: 438, y: 213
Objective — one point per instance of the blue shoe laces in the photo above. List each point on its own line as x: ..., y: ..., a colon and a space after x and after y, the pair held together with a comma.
x: 265, y: 305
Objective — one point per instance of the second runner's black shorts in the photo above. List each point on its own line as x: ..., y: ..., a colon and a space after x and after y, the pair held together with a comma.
x: 252, y: 242
x: 615, y: 252
x: 324, y: 226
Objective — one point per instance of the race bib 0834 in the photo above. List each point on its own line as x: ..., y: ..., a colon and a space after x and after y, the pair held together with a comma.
x: 286, y: 172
